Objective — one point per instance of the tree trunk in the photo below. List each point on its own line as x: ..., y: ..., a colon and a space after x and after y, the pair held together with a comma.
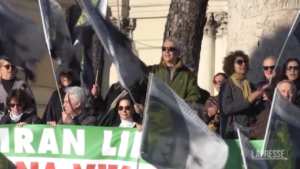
x: 185, y: 22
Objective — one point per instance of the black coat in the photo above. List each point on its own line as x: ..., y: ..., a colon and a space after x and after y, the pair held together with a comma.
x: 27, y: 118
x: 53, y: 110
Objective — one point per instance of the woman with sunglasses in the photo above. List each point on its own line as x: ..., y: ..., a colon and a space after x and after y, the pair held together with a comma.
x: 237, y: 96
x: 211, y: 105
x: 17, y: 104
x: 291, y: 72
x: 129, y: 114
x: 54, y: 109
x: 8, y: 82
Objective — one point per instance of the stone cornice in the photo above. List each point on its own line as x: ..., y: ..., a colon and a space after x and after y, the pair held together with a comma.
x: 149, y: 11
x: 217, y: 6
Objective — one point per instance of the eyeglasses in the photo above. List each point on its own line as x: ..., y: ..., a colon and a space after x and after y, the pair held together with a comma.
x: 218, y: 81
x: 9, y: 66
x: 291, y: 68
x: 15, y: 104
x: 240, y: 62
x: 171, y: 49
x: 125, y: 107
x: 268, y: 67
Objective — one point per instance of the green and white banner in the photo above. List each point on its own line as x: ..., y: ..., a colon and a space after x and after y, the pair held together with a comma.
x: 80, y: 147
x: 71, y: 147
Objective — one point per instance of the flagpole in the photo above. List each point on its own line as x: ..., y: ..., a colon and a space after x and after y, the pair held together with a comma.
x: 98, y: 64
x: 55, y: 79
x: 119, y: 21
x: 286, y: 40
x: 50, y: 55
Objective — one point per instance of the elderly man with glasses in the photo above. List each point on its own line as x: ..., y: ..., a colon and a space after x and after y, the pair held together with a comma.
x: 75, y: 111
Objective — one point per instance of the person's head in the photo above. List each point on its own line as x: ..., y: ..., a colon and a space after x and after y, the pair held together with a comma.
x: 171, y: 51
x: 218, y: 79
x: 291, y: 69
x: 236, y: 62
x: 7, y: 70
x: 74, y: 100
x: 287, y: 89
x: 17, y: 101
x: 125, y: 108
x: 65, y: 79
x: 269, y: 66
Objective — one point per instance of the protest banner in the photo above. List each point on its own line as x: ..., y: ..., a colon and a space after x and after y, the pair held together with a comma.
x: 71, y: 147
x: 81, y: 147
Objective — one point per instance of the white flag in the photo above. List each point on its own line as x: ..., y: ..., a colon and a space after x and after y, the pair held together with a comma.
x: 174, y: 136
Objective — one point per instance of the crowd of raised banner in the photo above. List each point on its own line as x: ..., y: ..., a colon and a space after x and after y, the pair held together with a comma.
x: 162, y: 101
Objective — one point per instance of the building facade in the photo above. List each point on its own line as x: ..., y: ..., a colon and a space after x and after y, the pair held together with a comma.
x: 146, y: 27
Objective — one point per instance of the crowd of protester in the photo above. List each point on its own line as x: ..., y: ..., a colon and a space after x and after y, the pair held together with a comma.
x: 238, y: 100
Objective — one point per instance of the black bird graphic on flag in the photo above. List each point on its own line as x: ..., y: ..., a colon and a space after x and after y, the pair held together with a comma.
x: 22, y: 40
x: 57, y: 35
x: 117, y: 45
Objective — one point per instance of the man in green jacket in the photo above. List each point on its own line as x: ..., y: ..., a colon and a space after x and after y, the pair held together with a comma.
x: 172, y: 71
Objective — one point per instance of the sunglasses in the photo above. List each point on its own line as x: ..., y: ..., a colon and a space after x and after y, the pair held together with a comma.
x: 171, y: 49
x: 13, y: 105
x: 9, y: 66
x: 125, y: 107
x: 240, y: 62
x: 268, y: 67
x: 295, y: 68
x: 218, y: 81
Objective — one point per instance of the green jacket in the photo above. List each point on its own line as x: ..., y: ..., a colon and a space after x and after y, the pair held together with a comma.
x: 183, y: 81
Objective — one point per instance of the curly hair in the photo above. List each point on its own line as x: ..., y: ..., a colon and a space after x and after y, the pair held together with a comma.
x: 228, y: 63
x: 20, y: 96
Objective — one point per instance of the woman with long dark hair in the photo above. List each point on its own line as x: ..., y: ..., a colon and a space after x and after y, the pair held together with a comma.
x: 291, y: 71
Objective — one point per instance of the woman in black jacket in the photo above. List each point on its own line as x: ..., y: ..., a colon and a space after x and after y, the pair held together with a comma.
x: 124, y: 114
x: 17, y: 104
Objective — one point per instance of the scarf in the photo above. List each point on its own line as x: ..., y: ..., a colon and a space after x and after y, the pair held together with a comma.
x: 15, y: 118
x: 127, y: 123
x: 243, y: 83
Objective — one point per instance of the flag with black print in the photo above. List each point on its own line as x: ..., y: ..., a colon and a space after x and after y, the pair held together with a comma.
x: 57, y: 35
x: 174, y: 136
x: 282, y: 133
x: 21, y: 40
x: 129, y: 67
x: 83, y: 53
